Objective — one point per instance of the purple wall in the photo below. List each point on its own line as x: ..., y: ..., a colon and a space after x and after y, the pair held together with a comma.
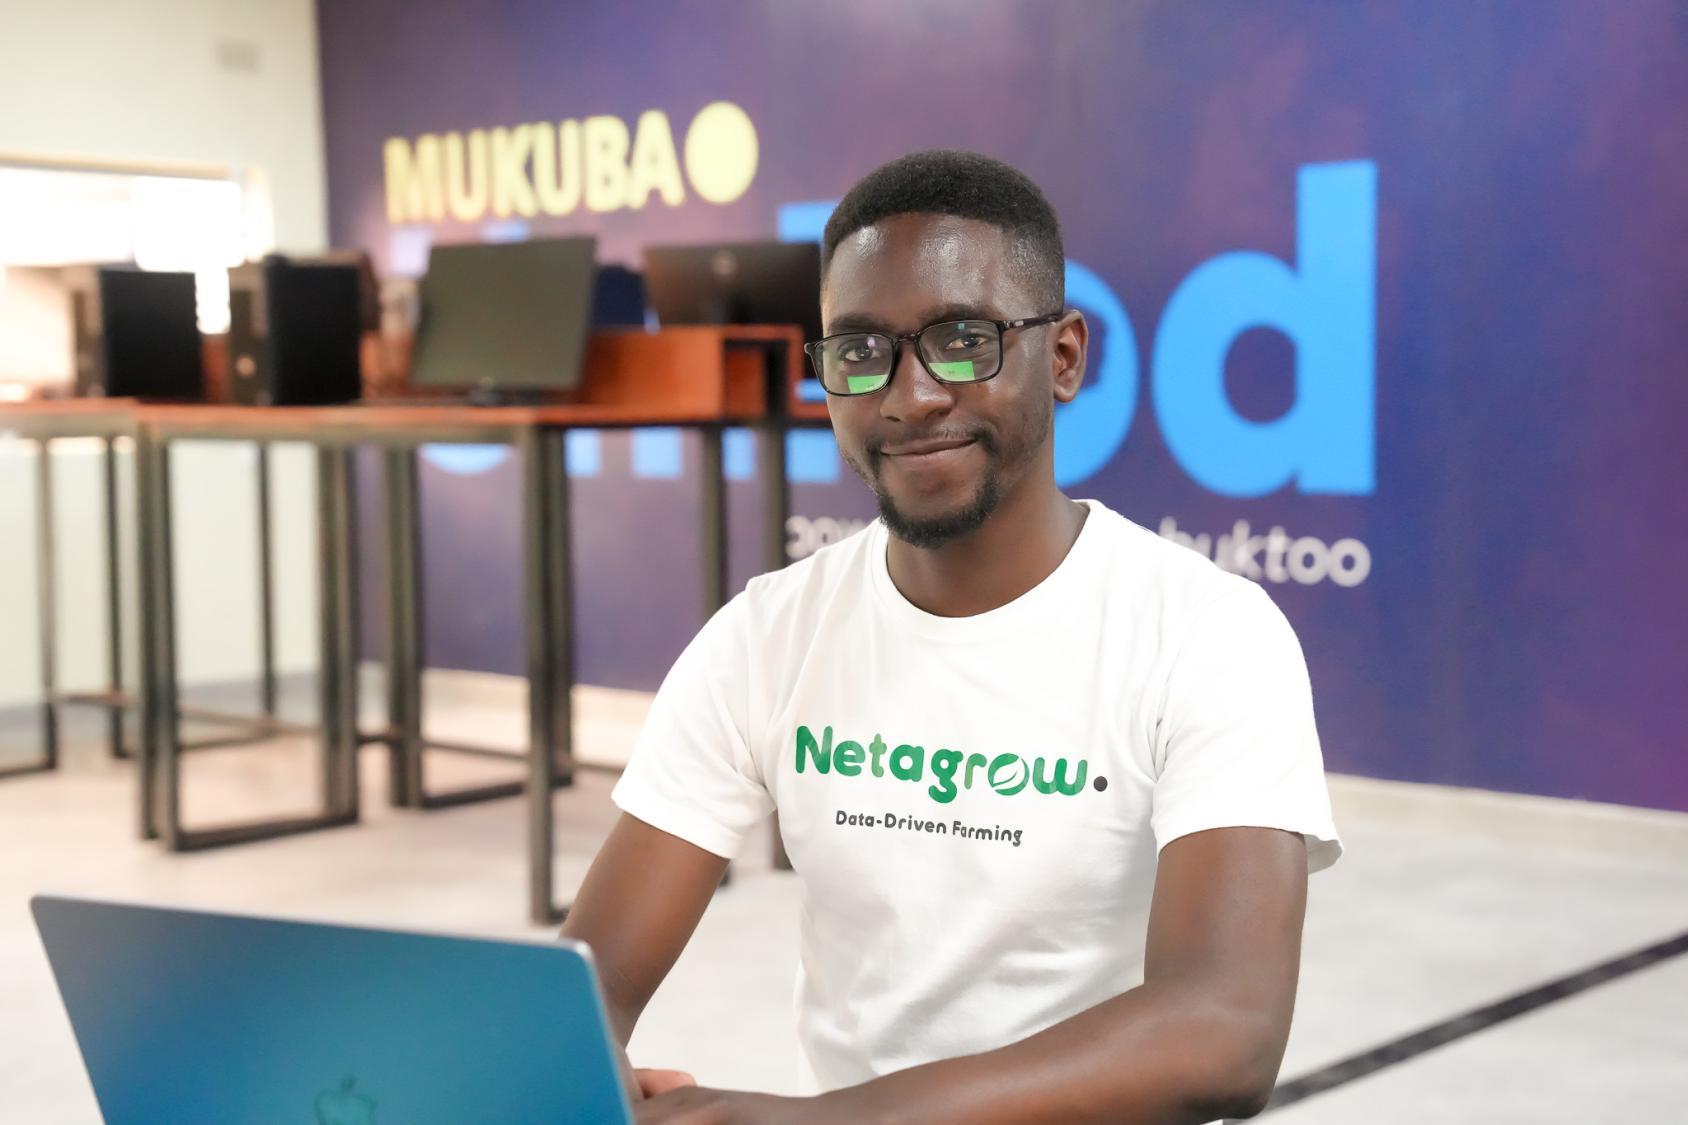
x: 1507, y: 441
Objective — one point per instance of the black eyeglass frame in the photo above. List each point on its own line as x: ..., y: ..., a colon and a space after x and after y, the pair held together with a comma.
x: 1003, y: 327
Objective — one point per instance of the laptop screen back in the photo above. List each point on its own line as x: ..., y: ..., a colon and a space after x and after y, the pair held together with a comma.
x: 184, y: 1016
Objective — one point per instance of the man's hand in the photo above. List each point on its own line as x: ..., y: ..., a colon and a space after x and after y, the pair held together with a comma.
x: 655, y: 1083
x: 690, y: 1104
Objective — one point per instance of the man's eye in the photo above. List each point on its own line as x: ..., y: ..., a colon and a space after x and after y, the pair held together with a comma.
x: 855, y: 353
x: 966, y: 342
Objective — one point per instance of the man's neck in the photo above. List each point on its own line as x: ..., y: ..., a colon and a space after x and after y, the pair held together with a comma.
x: 1019, y: 546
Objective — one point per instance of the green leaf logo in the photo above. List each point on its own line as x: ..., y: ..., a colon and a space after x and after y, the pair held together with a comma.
x: 1008, y: 774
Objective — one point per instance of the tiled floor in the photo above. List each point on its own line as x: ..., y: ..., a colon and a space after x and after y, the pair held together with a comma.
x: 1445, y: 901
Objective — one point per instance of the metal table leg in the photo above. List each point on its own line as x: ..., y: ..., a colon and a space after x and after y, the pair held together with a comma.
x: 550, y: 651
x: 404, y: 629
x: 112, y: 699
x: 407, y: 628
x: 46, y: 591
x: 48, y: 611
x: 712, y: 533
x: 161, y: 741
x: 114, y: 603
x: 266, y: 586
x: 146, y: 651
x: 161, y: 746
x: 338, y: 670
x: 776, y: 509
x: 712, y: 520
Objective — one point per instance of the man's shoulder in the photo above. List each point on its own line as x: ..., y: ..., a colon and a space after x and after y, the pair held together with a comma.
x: 1160, y: 576
x: 816, y: 578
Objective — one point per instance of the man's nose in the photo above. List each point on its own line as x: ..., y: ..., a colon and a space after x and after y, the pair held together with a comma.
x: 914, y: 396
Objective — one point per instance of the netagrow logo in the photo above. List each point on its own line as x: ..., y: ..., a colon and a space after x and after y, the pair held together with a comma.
x: 1008, y: 774
x: 554, y: 168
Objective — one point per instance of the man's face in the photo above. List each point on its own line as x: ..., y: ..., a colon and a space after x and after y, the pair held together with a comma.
x: 941, y: 457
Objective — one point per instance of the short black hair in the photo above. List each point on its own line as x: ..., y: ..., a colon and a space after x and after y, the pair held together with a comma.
x: 967, y: 185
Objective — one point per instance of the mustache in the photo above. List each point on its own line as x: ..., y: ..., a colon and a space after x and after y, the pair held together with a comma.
x: 876, y: 444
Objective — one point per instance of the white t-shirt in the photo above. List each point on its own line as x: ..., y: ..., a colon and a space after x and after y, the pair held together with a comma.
x: 975, y: 805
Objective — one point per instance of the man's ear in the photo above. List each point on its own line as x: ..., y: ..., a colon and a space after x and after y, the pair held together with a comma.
x: 1072, y: 342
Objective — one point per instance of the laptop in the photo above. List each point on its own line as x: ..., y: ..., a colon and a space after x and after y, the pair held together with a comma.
x: 185, y: 1016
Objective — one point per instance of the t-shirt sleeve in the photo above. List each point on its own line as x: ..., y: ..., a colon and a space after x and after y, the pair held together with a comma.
x: 1236, y: 745
x: 691, y: 772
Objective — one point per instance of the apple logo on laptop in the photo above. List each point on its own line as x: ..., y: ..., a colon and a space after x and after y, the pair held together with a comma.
x: 343, y: 1107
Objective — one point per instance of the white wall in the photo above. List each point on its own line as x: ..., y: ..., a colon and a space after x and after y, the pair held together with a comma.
x: 142, y: 80
x: 35, y: 328
x: 150, y: 81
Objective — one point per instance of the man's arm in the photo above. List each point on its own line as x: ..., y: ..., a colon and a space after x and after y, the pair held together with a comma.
x: 641, y: 900
x: 1200, y: 1039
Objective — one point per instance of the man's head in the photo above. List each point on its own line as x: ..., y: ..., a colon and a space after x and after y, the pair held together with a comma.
x: 936, y: 237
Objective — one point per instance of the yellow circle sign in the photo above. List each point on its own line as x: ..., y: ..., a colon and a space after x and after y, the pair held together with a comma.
x: 721, y: 152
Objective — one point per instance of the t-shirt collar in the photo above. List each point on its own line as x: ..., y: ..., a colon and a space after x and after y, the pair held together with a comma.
x: 1030, y: 610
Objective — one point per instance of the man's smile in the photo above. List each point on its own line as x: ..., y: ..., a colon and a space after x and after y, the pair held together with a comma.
x: 927, y: 448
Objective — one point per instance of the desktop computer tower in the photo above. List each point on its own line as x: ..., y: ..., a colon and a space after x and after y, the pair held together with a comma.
x: 294, y: 332
x: 136, y: 334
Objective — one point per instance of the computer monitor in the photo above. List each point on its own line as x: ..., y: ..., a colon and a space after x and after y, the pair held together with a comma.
x: 505, y: 316
x: 737, y: 283
x: 136, y: 333
x: 369, y: 294
x: 618, y: 298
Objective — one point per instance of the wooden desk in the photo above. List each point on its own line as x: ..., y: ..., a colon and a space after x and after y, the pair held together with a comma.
x: 700, y: 378
x: 113, y: 420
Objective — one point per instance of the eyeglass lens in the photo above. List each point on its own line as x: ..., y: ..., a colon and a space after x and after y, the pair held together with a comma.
x: 962, y: 351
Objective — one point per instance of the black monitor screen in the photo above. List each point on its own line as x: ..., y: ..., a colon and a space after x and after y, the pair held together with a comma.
x: 737, y: 283
x: 316, y: 321
x: 509, y: 314
x: 152, y: 342
x: 618, y: 298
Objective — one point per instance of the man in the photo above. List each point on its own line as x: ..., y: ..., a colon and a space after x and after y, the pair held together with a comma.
x: 1051, y: 783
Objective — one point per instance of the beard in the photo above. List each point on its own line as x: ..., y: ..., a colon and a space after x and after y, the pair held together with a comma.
x: 1005, y: 458
x: 934, y: 531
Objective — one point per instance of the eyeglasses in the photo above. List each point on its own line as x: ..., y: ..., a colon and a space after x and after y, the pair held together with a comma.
x: 953, y: 351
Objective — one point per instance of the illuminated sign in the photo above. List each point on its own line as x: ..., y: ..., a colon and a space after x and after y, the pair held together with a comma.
x: 597, y: 163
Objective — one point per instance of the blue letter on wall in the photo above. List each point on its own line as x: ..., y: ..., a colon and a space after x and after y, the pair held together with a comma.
x: 1090, y: 429
x: 1326, y: 305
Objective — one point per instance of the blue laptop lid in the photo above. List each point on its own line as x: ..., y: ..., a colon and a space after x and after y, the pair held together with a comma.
x: 192, y: 1017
